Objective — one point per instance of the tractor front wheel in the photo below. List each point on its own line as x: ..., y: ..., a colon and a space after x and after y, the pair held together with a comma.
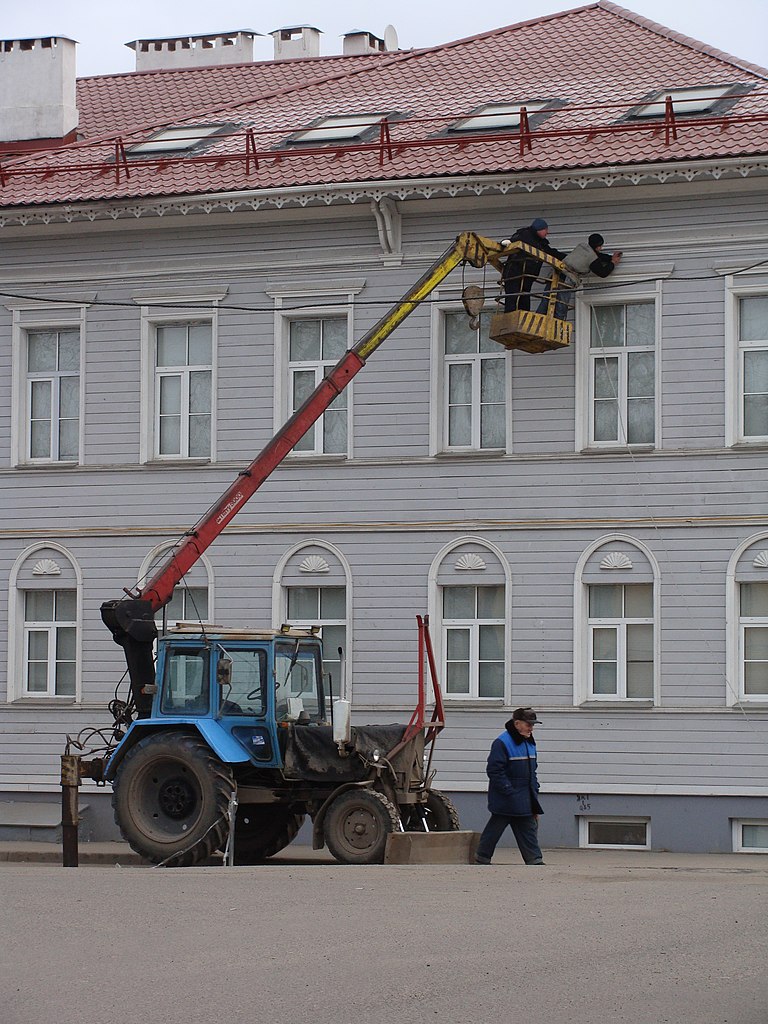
x: 171, y: 798
x: 357, y: 825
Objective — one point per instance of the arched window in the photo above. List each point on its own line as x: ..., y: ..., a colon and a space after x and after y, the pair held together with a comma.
x: 45, y: 616
x: 192, y: 599
x: 312, y: 587
x: 616, y: 649
x: 747, y: 618
x: 469, y: 590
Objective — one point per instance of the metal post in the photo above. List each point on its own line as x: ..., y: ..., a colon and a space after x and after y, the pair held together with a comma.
x: 70, y: 785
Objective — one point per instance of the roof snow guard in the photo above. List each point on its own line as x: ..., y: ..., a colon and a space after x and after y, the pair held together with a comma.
x: 641, y: 111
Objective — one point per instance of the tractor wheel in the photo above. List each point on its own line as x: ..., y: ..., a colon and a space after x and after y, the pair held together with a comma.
x: 171, y: 796
x: 262, y: 830
x: 440, y: 813
x: 357, y: 825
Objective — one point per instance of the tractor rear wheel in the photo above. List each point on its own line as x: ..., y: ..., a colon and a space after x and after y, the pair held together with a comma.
x: 262, y: 830
x: 171, y: 798
x: 357, y: 825
x: 439, y: 811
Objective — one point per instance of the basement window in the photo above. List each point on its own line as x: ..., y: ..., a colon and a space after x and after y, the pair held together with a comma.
x: 497, y: 115
x: 750, y: 835
x: 610, y: 833
x: 697, y: 99
x: 175, y: 140
x: 340, y: 128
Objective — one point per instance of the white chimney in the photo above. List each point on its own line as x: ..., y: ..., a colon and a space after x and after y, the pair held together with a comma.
x: 37, y: 88
x: 296, y: 41
x: 358, y: 41
x: 213, y: 48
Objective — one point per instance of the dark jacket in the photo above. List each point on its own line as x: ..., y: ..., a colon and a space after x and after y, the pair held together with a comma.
x: 585, y: 260
x: 533, y: 265
x: 513, y: 785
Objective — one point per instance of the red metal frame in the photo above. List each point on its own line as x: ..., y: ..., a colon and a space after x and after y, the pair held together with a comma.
x: 418, y: 718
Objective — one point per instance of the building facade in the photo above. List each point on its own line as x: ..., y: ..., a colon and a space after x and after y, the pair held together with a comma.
x: 587, y: 529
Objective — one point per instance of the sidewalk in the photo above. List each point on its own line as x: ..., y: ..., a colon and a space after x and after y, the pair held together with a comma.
x: 116, y: 853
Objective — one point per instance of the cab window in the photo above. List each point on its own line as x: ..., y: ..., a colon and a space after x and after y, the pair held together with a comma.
x: 246, y: 693
x: 297, y: 675
x: 185, y: 682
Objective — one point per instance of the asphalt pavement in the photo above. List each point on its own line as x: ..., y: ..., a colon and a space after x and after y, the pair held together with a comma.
x: 592, y: 937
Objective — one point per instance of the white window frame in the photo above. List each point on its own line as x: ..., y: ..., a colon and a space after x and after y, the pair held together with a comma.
x: 701, y: 99
x: 17, y: 631
x: 737, y: 288
x: 280, y: 600
x: 340, y: 128
x: 334, y: 298
x: 507, y: 115
x: 745, y: 622
x: 737, y: 834
x: 582, y: 679
x: 734, y: 660
x: 340, y: 684
x: 585, y: 358
x: 151, y: 319
x: 617, y: 819
x: 440, y: 360
x: 178, y: 139
x: 31, y: 317
x: 155, y: 559
x: 50, y: 628
x: 473, y: 625
x: 321, y: 368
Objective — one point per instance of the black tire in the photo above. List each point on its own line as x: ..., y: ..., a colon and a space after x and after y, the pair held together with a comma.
x: 357, y: 825
x: 262, y: 830
x: 171, y: 797
x: 440, y: 813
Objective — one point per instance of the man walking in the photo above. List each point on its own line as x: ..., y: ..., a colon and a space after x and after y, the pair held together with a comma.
x: 513, y: 789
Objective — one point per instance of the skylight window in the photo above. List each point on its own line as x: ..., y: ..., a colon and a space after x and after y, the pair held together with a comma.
x: 339, y: 127
x: 496, y: 115
x: 175, y: 140
x: 698, y: 99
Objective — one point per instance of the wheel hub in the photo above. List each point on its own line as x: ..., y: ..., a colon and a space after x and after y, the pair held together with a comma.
x: 361, y: 829
x: 176, y: 798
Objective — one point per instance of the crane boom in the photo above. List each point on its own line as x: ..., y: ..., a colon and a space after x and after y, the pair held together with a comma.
x: 131, y: 618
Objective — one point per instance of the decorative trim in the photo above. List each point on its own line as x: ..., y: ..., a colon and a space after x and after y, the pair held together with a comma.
x: 181, y: 294
x: 320, y: 195
x: 49, y: 303
x: 315, y: 564
x: 470, y: 562
x: 616, y: 560
x: 761, y: 560
x: 286, y: 289
x: 47, y: 567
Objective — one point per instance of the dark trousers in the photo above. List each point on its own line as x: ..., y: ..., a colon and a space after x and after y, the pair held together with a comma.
x: 525, y: 830
x: 518, y: 277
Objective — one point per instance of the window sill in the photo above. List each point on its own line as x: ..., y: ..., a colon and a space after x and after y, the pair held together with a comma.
x: 473, y: 702
x: 593, y: 705
x: 620, y: 449
x: 43, y: 702
x: 178, y: 462
x: 68, y: 464
x: 470, y: 453
x: 315, y: 457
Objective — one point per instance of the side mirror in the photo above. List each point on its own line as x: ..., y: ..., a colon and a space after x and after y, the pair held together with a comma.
x: 224, y: 672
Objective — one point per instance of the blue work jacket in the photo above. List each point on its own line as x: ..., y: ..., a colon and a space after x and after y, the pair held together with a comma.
x: 511, y: 769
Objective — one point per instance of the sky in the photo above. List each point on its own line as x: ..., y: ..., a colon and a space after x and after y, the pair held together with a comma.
x: 102, y: 28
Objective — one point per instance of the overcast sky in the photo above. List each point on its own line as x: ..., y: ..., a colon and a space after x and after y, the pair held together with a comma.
x: 102, y: 27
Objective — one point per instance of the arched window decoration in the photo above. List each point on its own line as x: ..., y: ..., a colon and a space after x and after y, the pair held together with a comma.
x: 313, y: 589
x: 469, y: 588
x: 747, y: 618
x: 45, y: 616
x: 616, y: 631
x: 192, y: 599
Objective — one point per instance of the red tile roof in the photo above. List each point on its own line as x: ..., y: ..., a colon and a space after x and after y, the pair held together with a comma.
x: 596, y: 62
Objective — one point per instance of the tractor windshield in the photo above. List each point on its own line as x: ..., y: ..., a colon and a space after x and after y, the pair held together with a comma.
x: 297, y: 681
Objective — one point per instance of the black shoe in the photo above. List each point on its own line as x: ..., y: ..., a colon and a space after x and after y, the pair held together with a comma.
x: 484, y: 863
x: 530, y: 863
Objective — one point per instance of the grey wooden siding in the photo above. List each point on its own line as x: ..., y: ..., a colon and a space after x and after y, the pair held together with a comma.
x: 391, y: 509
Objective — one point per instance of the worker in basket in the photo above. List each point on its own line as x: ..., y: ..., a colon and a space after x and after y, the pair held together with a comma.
x: 587, y: 258
x: 522, y: 268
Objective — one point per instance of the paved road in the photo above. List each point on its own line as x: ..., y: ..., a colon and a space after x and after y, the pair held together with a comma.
x: 591, y: 938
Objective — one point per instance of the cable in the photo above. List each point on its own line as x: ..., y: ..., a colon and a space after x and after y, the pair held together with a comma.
x: 363, y: 304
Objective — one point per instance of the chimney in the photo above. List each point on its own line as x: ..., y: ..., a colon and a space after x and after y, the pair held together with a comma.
x: 358, y: 41
x: 213, y: 48
x: 296, y: 41
x: 37, y: 88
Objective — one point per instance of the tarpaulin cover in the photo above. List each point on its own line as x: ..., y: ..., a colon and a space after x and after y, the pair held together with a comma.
x: 311, y: 753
